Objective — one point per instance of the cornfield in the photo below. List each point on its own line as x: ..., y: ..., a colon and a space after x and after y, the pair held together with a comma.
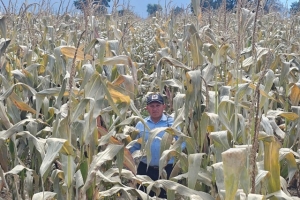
x: 73, y: 87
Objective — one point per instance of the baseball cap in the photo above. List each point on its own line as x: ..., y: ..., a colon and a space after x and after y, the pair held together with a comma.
x: 155, y: 98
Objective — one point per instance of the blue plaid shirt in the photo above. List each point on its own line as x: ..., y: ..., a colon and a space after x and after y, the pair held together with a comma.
x: 165, y: 121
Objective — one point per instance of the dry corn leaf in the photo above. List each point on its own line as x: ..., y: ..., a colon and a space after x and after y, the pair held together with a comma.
x: 288, y: 115
x: 295, y: 94
x: 263, y: 93
x: 234, y: 162
x: 125, y: 84
x: 160, y: 42
x: 20, y: 104
x: 119, y: 80
x: 70, y: 53
x: 271, y: 162
x: 116, y: 96
x: 119, y: 97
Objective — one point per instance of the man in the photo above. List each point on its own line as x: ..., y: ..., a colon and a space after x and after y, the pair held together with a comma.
x: 155, y: 107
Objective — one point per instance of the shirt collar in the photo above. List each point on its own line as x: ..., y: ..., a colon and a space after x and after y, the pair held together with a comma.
x: 163, y: 118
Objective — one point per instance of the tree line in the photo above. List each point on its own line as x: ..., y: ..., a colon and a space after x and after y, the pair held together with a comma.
x: 269, y: 5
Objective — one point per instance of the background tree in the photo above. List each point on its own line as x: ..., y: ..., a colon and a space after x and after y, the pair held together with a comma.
x: 152, y: 8
x: 215, y: 4
x: 80, y: 4
x: 295, y: 7
x: 178, y: 10
x: 123, y: 12
x: 275, y: 5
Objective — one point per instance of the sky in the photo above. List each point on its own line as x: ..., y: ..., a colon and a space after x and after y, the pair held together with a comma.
x: 138, y: 6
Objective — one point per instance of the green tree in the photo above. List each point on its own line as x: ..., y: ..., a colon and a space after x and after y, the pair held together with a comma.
x: 295, y: 7
x: 274, y: 5
x: 152, y: 8
x: 80, y: 4
x: 230, y: 4
x: 125, y: 12
x: 178, y: 10
x: 215, y: 4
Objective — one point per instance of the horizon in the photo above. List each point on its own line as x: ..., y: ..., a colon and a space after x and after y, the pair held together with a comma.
x: 139, y: 7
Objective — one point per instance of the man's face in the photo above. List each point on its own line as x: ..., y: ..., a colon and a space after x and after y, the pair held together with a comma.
x: 155, y: 110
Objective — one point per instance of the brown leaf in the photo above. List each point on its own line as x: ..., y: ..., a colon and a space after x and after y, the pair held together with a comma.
x: 70, y: 53
x: 295, y: 94
x: 117, y: 97
x: 20, y: 104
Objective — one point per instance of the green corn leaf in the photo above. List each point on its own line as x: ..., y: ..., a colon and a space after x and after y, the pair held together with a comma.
x: 3, y: 44
x: 55, y: 145
x: 154, y: 133
x: 57, y: 176
x: 180, y: 189
x: 194, y: 167
x: 3, y: 27
x: 289, y: 156
x: 167, y: 155
x: 108, y: 154
x: 220, y: 141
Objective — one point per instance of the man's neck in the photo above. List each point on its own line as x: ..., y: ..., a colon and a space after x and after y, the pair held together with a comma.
x: 155, y: 120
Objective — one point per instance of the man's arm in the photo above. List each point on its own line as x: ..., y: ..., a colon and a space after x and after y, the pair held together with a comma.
x: 135, y: 147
